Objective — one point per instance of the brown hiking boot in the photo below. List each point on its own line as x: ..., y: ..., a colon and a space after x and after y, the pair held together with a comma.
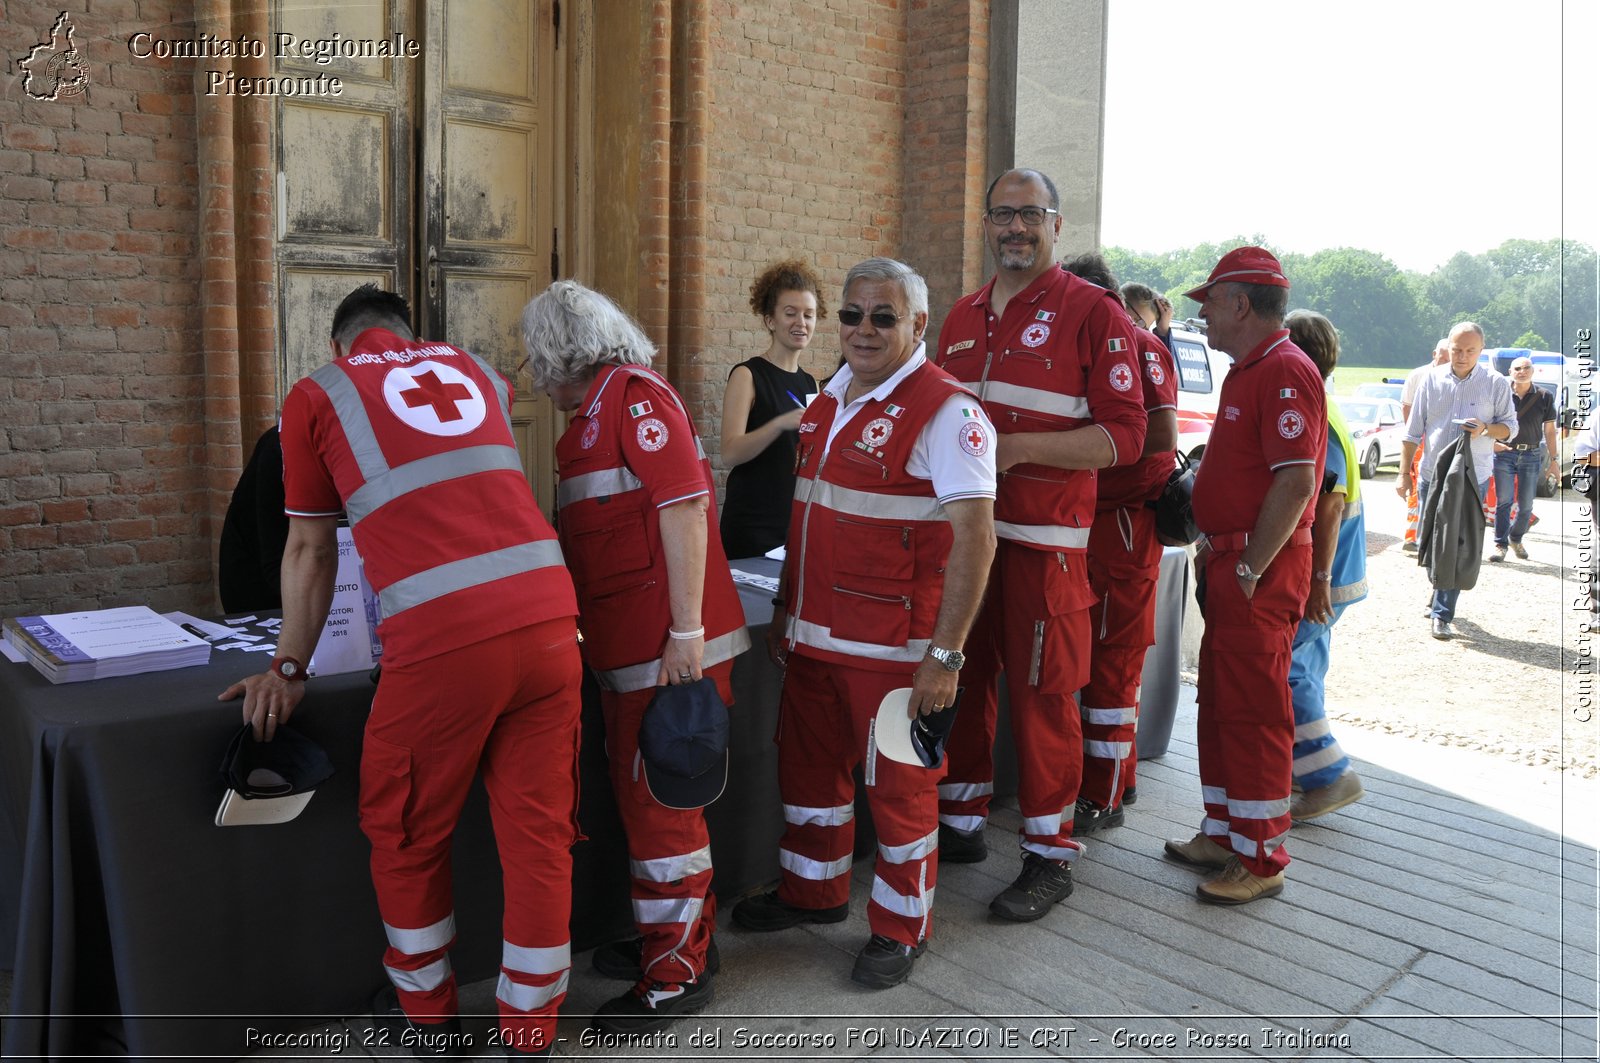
x: 1199, y: 851
x: 1309, y: 804
x: 1236, y: 885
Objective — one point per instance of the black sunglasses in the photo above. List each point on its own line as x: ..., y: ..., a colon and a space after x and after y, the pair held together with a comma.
x: 880, y: 318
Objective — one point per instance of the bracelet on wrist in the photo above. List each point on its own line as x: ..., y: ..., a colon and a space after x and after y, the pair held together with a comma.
x: 781, y: 602
x: 697, y: 633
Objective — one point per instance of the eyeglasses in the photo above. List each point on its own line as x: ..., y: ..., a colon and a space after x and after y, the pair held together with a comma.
x: 1522, y: 369
x: 1030, y: 215
x: 880, y: 318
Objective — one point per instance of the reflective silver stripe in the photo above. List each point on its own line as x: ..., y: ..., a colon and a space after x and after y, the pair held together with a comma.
x: 502, y: 391
x: 667, y: 912
x: 1213, y: 828
x: 1245, y: 846
x: 920, y: 849
x: 1042, y: 826
x: 672, y: 868
x: 1348, y: 592
x: 1315, y: 729
x: 806, y: 816
x: 964, y: 823
x: 422, y: 939
x: 1321, y: 758
x: 1043, y: 535
x: 964, y: 791
x: 1213, y: 795
x: 600, y: 484
x: 352, y: 416
x: 1111, y: 717
x: 642, y: 676
x: 1053, y: 852
x: 1036, y: 400
x: 866, y: 504
x: 1258, y: 809
x: 810, y: 634
x: 1352, y: 510
x: 425, y: 472
x: 1107, y: 750
x: 814, y: 870
x: 530, y: 960
x: 519, y: 997
x: 422, y: 979
x: 912, y: 907
x: 453, y: 576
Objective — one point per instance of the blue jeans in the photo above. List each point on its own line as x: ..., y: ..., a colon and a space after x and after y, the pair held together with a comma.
x: 1443, y: 604
x: 1318, y: 759
x: 1523, y: 467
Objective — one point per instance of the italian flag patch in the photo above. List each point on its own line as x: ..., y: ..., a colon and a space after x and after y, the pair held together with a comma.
x: 639, y: 409
x: 1287, y: 393
x: 894, y: 411
x: 1116, y: 345
x: 966, y: 412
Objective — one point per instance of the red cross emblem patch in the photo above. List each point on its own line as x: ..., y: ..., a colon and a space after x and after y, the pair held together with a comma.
x: 1121, y: 376
x: 1156, y: 374
x: 877, y: 432
x: 435, y: 398
x: 974, y: 439
x: 652, y: 434
x: 1291, y: 424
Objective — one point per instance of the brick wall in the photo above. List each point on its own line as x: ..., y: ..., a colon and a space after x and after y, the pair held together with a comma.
x: 101, y: 376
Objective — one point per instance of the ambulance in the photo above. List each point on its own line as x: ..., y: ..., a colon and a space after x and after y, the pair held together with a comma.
x: 1200, y: 374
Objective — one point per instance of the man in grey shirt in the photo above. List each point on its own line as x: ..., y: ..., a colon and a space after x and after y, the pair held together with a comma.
x: 1463, y: 396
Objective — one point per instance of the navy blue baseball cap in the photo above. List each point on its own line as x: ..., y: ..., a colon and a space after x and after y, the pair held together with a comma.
x: 683, y: 741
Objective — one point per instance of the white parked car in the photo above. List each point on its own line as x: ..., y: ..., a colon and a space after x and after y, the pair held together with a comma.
x: 1377, y: 429
x: 1200, y: 373
x: 1387, y: 389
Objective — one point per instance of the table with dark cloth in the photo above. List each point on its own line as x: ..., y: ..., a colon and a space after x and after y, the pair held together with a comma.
x: 134, y: 926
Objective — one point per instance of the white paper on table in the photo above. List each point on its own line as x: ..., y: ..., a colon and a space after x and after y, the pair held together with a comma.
x: 259, y: 649
x: 235, y: 645
x: 11, y: 652
x: 766, y: 583
x: 349, y: 641
x: 240, y: 619
x: 777, y: 553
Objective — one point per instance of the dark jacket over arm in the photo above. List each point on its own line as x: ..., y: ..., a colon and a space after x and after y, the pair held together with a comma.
x: 1450, y: 530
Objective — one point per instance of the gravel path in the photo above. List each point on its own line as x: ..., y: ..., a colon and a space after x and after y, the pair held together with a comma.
x: 1517, y: 682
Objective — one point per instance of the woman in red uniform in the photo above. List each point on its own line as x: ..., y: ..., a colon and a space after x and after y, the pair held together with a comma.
x: 657, y: 606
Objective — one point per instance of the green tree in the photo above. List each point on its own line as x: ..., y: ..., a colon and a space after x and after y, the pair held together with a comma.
x: 1532, y: 341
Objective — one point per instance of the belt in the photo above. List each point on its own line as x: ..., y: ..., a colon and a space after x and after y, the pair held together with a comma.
x: 1525, y: 446
x: 1239, y: 540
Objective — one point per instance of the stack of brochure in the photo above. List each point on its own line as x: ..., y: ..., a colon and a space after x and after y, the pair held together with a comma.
x: 96, y: 644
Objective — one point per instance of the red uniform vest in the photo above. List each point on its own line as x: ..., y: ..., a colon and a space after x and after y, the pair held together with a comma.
x: 413, y: 440
x: 1070, y: 363
x: 1135, y: 484
x: 611, y: 534
x: 867, y: 541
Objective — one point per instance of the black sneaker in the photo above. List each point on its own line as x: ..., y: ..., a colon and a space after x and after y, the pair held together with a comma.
x: 1088, y: 817
x: 621, y: 959
x: 1041, y: 884
x: 1130, y: 796
x: 884, y: 962
x: 425, y: 1040
x: 961, y: 846
x: 650, y: 1005
x: 765, y: 912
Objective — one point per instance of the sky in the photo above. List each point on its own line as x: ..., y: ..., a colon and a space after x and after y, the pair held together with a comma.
x: 1414, y: 128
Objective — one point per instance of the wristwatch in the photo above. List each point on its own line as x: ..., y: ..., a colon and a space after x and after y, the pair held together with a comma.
x: 1322, y: 576
x: 1243, y: 571
x: 952, y: 660
x: 288, y: 668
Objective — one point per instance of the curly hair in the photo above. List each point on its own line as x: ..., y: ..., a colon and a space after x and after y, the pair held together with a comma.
x: 790, y: 275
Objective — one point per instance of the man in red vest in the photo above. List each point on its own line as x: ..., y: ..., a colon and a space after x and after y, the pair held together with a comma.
x: 1055, y: 360
x: 412, y: 442
x: 890, y: 540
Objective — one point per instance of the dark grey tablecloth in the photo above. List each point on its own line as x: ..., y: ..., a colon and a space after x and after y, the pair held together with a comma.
x: 134, y: 926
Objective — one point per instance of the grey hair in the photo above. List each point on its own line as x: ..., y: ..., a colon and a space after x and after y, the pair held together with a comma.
x: 1467, y: 326
x: 888, y: 269
x: 568, y: 330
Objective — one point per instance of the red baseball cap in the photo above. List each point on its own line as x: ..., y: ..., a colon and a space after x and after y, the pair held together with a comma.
x: 1246, y: 265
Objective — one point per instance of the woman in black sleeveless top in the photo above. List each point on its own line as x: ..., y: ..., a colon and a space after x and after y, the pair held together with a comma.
x: 761, y: 409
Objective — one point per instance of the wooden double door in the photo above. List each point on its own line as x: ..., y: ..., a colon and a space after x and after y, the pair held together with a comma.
x: 435, y: 176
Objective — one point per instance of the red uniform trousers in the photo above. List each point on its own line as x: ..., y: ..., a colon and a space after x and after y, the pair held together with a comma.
x: 1034, y: 626
x: 826, y: 716
x: 1124, y: 565
x: 1245, y: 732
x: 669, y: 851
x: 509, y: 704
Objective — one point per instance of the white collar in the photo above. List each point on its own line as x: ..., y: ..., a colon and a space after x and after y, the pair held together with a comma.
x: 840, y: 382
